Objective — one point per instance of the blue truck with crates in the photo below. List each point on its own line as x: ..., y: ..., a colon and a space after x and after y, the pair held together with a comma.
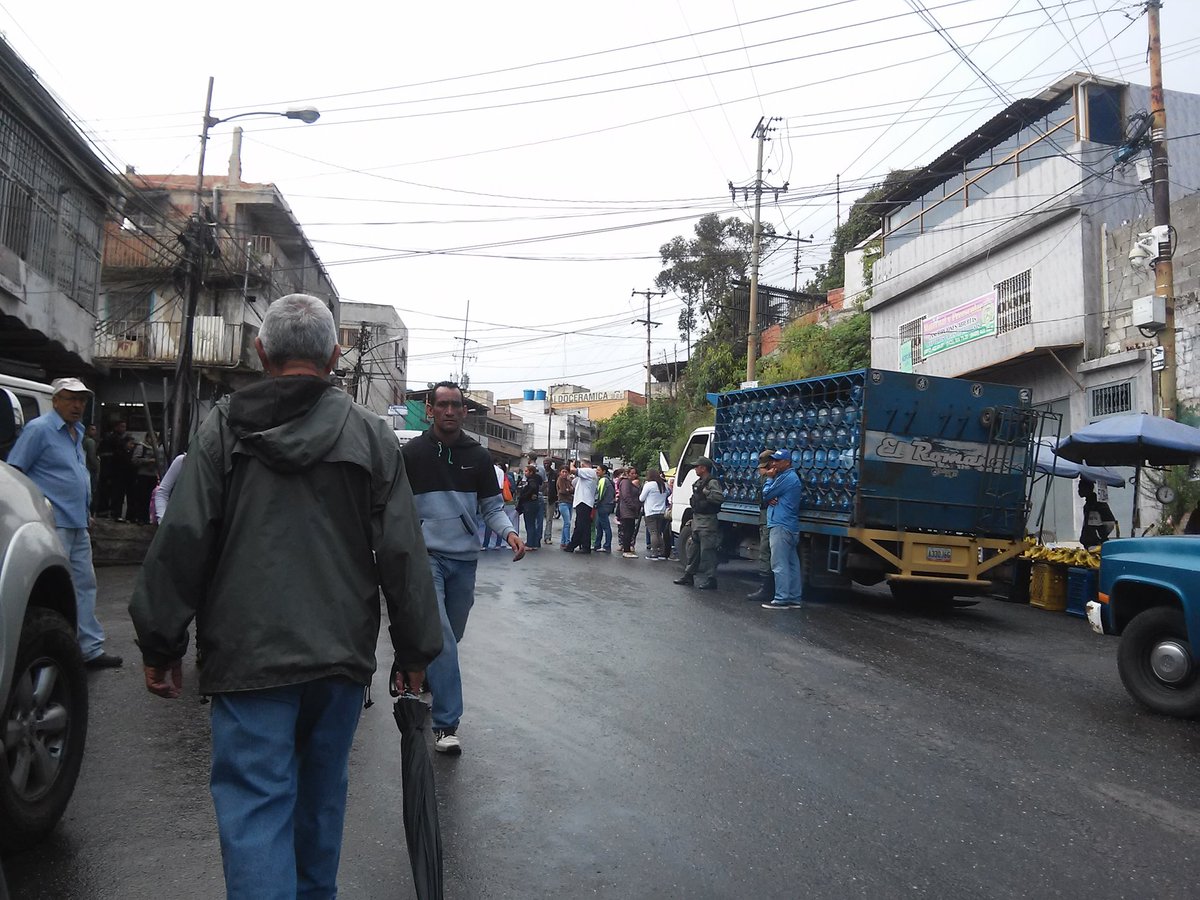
x: 919, y: 481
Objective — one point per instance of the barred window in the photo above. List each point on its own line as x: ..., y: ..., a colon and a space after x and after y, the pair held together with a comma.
x: 44, y: 218
x: 1111, y: 399
x: 1012, y: 303
x: 910, y: 333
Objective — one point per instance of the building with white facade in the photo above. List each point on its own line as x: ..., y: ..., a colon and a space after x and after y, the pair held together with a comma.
x: 993, y: 256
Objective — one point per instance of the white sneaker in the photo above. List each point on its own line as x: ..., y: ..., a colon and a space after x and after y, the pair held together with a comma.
x: 446, y: 741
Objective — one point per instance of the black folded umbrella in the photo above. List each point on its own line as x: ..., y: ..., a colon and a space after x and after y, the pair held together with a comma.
x: 421, y: 828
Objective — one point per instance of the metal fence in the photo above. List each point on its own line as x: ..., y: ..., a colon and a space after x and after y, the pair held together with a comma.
x: 214, y: 341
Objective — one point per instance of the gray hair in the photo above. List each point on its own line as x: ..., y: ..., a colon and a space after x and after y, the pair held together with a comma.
x: 298, y: 327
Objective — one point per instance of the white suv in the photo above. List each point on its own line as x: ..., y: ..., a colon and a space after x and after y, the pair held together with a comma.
x: 43, y: 683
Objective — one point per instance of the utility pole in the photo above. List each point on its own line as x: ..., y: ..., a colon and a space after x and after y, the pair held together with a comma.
x: 1164, y: 270
x: 761, y: 130
x: 648, y: 323
x: 360, y: 347
x: 463, y: 381
x: 194, y: 243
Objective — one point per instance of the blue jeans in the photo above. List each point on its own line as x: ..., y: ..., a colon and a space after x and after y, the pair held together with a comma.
x: 603, y: 527
x: 539, y: 521
x: 77, y: 544
x: 564, y: 514
x: 280, y: 760
x: 785, y: 564
x: 533, y: 528
x: 454, y: 580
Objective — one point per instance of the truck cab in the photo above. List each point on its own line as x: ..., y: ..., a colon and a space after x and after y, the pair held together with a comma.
x: 1149, y: 594
x: 21, y: 401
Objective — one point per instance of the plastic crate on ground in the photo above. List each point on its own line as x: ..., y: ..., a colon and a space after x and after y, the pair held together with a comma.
x: 1081, y: 588
x: 1048, y: 586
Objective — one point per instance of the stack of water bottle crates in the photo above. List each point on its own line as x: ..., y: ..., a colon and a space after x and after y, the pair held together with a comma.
x: 883, y: 450
x: 818, y: 420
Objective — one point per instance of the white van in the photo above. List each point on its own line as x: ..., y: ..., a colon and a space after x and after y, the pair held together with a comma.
x: 21, y: 401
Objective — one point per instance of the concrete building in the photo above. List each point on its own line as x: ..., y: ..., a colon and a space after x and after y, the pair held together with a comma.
x: 549, y: 431
x: 594, y: 405
x: 374, y: 341
x: 258, y: 253
x: 498, y: 431
x: 992, y: 258
x: 55, y: 194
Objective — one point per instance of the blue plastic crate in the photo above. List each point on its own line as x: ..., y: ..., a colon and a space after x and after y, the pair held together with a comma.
x: 1081, y: 589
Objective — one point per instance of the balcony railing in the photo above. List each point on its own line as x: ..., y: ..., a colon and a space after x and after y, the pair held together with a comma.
x: 214, y: 342
x: 137, y: 250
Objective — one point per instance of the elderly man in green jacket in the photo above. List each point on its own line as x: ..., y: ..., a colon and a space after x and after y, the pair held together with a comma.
x: 292, y: 511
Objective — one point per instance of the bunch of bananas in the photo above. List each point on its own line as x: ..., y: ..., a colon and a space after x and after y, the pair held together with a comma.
x: 1078, y: 557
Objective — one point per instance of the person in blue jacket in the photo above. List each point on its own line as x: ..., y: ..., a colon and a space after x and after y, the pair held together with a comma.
x: 781, y: 493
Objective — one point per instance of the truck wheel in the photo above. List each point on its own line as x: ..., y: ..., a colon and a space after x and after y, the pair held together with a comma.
x: 1157, y: 664
x: 44, y: 730
x: 685, y: 537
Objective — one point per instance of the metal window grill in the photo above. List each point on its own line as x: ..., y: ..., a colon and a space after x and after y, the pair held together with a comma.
x: 56, y: 232
x: 1013, y: 308
x: 1112, y: 399
x: 910, y: 332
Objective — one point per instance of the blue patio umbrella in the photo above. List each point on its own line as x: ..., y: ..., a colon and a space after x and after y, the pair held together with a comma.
x: 1048, y: 462
x: 1134, y: 440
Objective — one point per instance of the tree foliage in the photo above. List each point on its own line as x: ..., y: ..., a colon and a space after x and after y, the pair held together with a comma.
x: 702, y: 271
x: 813, y: 349
x: 861, y: 222
x: 713, y: 367
x: 638, y: 437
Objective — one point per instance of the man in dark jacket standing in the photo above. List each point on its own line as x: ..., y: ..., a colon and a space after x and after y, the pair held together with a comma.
x: 292, y: 511
x: 529, y: 505
x: 707, y: 495
x: 606, y: 498
x: 550, y: 495
x: 453, y: 479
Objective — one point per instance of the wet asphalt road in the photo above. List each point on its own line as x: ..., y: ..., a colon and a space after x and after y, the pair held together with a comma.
x: 628, y: 738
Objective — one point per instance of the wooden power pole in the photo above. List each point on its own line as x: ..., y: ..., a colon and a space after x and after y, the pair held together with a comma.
x: 649, y: 324
x: 1164, y: 270
x: 761, y: 130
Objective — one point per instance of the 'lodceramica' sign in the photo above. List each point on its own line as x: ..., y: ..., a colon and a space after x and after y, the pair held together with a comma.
x: 585, y: 398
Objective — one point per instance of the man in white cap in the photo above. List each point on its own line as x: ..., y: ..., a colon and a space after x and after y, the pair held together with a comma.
x: 50, y: 451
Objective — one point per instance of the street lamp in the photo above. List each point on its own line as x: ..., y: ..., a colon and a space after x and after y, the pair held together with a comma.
x: 194, y: 245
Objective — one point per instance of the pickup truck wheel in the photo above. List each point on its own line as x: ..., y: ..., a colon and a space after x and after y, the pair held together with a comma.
x: 1157, y: 664
x: 44, y: 728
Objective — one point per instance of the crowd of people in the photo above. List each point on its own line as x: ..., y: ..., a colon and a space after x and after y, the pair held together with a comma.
x: 583, y: 498
x: 295, y: 511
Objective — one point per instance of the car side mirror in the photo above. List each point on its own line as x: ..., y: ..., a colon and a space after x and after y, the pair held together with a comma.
x: 12, y: 420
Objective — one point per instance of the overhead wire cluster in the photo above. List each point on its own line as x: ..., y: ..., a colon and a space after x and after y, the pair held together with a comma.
x: 741, y: 56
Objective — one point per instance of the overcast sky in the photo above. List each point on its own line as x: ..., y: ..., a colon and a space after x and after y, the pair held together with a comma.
x: 530, y: 158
